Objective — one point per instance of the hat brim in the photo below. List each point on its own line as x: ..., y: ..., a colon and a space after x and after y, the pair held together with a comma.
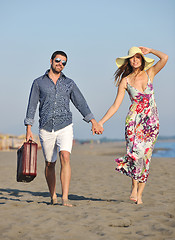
x: 148, y: 61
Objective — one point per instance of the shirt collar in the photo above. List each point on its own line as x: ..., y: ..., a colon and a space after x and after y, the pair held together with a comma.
x: 47, y: 74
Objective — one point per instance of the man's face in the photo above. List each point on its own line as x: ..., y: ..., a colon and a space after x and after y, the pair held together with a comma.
x: 58, y: 63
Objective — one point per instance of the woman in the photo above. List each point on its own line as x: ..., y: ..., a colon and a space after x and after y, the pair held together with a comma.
x: 135, y: 75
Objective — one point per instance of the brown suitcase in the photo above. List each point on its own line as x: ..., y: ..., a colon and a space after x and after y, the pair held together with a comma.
x: 27, y: 162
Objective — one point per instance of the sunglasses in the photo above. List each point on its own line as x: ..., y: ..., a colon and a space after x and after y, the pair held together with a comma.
x: 57, y: 60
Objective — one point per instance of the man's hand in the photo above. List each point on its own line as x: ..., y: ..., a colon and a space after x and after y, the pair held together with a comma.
x: 96, y: 127
x: 29, y: 134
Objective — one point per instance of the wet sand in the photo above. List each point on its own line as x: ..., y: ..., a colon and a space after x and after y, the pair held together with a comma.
x: 102, y: 209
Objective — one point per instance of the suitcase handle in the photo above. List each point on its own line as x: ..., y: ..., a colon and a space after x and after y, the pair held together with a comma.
x: 30, y: 141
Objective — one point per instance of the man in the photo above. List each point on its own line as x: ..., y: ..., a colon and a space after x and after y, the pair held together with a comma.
x: 54, y: 91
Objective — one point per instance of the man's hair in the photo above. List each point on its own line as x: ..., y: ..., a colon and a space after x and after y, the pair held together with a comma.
x: 58, y: 53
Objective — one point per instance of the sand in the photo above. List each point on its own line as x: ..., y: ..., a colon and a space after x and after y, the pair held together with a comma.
x: 102, y: 209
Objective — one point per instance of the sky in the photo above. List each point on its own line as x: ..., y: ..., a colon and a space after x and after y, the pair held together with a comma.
x: 93, y: 33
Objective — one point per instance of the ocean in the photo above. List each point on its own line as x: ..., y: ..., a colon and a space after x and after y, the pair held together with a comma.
x: 164, y: 149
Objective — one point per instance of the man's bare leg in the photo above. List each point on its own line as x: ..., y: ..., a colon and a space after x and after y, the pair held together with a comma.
x: 51, y: 180
x: 65, y: 176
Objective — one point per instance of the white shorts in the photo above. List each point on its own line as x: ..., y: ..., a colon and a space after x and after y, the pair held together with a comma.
x: 51, y: 142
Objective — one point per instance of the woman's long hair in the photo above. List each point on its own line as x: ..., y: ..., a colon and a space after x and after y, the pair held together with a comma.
x: 125, y: 70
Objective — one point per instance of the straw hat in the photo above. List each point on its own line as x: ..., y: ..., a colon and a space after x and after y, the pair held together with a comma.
x: 132, y: 51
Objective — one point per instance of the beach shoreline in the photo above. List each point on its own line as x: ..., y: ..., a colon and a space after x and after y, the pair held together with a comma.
x: 100, y: 195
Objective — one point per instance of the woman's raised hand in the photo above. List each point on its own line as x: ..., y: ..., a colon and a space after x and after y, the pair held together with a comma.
x: 145, y: 50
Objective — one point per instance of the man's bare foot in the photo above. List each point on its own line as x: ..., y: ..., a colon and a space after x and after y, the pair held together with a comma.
x: 54, y: 201
x: 66, y: 203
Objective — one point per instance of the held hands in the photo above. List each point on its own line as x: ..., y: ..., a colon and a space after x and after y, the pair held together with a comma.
x: 101, y: 126
x: 96, y: 127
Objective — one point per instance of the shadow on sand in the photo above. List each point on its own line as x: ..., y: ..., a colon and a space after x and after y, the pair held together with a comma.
x: 16, y: 195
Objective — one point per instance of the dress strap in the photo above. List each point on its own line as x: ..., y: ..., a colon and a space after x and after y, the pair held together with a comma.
x: 148, y: 76
x: 126, y: 80
x: 127, y: 84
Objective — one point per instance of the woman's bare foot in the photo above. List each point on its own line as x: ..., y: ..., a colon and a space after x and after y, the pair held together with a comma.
x: 133, y: 196
x: 139, y: 200
x: 141, y: 186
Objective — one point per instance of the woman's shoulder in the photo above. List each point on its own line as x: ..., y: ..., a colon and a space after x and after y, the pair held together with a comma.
x: 124, y: 82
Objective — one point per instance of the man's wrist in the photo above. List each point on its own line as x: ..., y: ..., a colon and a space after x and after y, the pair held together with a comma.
x: 28, y: 127
x: 93, y: 121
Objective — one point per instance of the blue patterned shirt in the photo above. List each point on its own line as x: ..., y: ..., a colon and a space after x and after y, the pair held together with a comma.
x: 54, y: 100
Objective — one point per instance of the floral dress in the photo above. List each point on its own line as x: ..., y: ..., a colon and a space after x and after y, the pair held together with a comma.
x: 141, y: 132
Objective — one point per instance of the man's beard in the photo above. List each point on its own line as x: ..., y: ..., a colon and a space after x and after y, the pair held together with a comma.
x: 54, y: 70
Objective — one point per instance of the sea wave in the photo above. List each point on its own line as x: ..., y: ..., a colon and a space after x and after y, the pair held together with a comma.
x: 164, y: 149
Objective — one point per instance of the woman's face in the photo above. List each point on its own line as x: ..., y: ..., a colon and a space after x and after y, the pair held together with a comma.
x: 136, y: 61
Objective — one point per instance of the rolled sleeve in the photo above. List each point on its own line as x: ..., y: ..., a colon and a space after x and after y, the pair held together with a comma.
x: 89, y: 117
x: 28, y: 121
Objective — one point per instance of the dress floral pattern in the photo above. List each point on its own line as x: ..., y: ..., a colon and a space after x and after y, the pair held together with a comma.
x: 141, y: 132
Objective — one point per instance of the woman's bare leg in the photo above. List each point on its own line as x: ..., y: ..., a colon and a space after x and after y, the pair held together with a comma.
x: 133, y: 196
x: 141, y: 187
